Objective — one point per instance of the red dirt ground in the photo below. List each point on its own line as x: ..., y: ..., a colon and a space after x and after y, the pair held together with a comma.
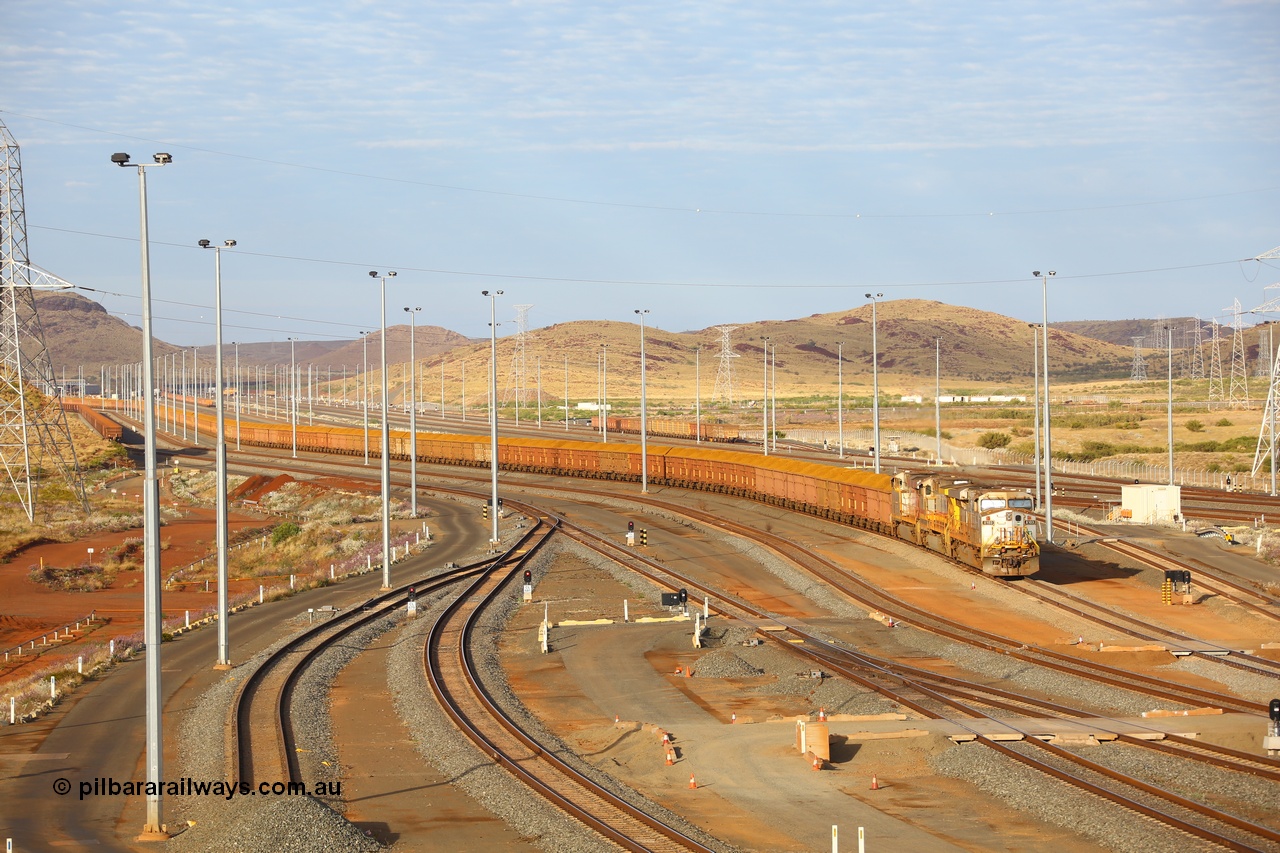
x: 30, y: 610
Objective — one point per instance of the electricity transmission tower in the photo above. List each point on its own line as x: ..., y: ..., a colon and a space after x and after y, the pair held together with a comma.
x: 1266, y: 434
x: 31, y: 414
x: 1139, y: 372
x: 724, y: 373
x: 1215, y: 366
x: 516, y: 379
x: 1195, y: 353
x: 1239, y: 389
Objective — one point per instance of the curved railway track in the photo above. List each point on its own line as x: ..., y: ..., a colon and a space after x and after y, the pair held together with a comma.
x: 264, y: 746
x: 807, y: 559
x: 456, y: 683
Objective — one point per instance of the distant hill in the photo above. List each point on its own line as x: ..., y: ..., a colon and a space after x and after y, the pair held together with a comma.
x: 978, y: 349
x: 1122, y: 332
x: 79, y: 332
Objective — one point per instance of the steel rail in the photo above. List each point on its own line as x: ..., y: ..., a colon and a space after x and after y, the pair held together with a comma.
x: 242, y: 706
x: 627, y: 821
x: 940, y: 696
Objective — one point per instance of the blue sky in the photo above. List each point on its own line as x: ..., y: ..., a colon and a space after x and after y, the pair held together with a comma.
x: 714, y: 162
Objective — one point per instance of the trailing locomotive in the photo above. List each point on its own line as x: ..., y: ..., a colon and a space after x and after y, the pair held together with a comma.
x: 990, y: 529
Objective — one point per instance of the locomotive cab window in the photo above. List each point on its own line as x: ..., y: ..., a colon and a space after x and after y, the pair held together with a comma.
x: 991, y: 503
x: 1020, y: 503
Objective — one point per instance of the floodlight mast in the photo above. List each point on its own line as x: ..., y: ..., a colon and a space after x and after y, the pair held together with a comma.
x: 386, y: 440
x: 154, y: 827
x: 493, y: 408
x: 1048, y: 437
x: 220, y: 457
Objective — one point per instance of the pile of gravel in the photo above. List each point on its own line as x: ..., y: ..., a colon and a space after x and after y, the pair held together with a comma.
x: 724, y: 663
x: 1058, y: 803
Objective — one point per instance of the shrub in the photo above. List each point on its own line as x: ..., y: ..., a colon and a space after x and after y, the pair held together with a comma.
x: 284, y: 531
x: 1224, y: 422
x: 1195, y: 426
x: 993, y: 440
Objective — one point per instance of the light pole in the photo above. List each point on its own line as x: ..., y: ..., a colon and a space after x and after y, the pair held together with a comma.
x: 220, y: 454
x: 875, y: 383
x: 293, y: 398
x: 493, y: 408
x: 413, y: 410
x: 764, y: 398
x: 364, y: 337
x: 604, y: 412
x: 937, y: 394
x: 773, y: 393
x: 697, y: 394
x: 1168, y: 334
x: 1048, y: 432
x: 840, y: 397
x: 566, y: 393
x: 644, y: 423
x: 186, y: 389
x: 1035, y: 406
x: 236, y: 344
x: 151, y: 520
x: 195, y: 397
x: 386, y: 441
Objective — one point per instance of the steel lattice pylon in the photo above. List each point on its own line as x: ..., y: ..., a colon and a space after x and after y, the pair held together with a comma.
x: 516, y: 379
x: 1195, y: 357
x: 1239, y: 388
x: 1266, y: 446
x: 34, y: 435
x: 724, y: 373
x: 1139, y: 372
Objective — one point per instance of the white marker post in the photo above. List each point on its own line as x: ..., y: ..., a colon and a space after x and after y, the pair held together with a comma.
x: 625, y: 613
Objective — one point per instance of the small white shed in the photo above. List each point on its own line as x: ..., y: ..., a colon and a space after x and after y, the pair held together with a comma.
x: 1144, y: 503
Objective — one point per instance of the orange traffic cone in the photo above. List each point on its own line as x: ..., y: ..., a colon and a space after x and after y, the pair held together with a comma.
x: 875, y: 783
x: 733, y: 718
x: 678, y: 670
x: 666, y: 737
x: 817, y: 763
x: 616, y: 720
x: 822, y: 715
x: 671, y: 757
x: 693, y: 783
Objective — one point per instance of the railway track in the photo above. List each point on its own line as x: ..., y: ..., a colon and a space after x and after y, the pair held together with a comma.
x: 263, y: 746
x: 454, y: 679
x: 941, y: 697
x: 1200, y: 830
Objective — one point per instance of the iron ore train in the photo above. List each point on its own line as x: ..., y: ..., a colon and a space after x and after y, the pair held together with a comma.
x: 672, y: 428
x: 990, y: 529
